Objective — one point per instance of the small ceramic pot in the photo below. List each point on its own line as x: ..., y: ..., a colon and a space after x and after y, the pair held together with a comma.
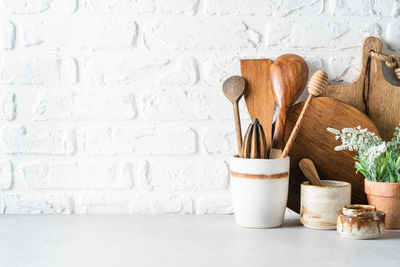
x: 385, y: 197
x: 361, y: 222
x: 319, y: 205
x: 259, y: 191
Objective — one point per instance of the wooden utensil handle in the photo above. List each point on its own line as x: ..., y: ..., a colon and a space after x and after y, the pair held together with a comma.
x: 296, y: 128
x: 279, y: 132
x: 316, y: 86
x: 238, y: 129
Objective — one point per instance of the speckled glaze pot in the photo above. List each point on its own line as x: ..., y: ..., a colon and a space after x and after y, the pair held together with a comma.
x: 361, y: 222
x: 259, y: 190
x: 385, y: 197
x: 319, y: 205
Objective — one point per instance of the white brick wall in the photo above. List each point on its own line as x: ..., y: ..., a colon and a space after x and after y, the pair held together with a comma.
x: 115, y: 106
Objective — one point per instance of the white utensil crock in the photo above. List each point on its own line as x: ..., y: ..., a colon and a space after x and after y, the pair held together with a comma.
x: 259, y: 191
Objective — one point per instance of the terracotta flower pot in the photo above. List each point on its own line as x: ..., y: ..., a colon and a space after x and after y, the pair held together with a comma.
x: 385, y: 197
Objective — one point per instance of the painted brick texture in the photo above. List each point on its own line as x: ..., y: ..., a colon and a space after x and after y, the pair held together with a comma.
x: 115, y: 106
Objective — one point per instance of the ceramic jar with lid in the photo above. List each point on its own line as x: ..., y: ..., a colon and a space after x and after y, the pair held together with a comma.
x: 361, y: 222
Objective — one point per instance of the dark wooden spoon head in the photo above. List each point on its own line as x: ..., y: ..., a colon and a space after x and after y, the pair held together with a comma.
x: 289, y: 75
x: 233, y: 88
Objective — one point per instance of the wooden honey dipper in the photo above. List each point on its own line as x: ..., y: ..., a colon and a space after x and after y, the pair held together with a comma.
x: 316, y: 85
x: 255, y: 144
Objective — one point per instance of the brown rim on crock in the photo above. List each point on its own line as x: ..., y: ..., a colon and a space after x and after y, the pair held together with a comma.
x: 342, y: 184
x: 260, y: 176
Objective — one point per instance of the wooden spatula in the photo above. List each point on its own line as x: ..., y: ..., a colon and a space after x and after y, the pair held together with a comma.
x: 258, y: 95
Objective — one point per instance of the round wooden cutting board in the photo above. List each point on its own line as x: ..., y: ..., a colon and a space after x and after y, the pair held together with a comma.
x: 316, y: 143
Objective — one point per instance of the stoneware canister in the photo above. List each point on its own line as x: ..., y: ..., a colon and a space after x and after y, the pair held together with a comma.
x: 321, y: 204
x: 361, y: 222
x: 259, y: 191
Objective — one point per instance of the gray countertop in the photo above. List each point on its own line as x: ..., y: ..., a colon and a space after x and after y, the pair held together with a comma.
x: 171, y: 240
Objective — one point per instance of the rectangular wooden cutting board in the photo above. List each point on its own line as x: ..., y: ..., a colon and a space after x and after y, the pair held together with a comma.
x: 370, y: 92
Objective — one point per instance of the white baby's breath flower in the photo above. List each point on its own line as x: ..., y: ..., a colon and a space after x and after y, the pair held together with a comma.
x: 339, y: 148
x: 334, y: 131
x: 375, y: 152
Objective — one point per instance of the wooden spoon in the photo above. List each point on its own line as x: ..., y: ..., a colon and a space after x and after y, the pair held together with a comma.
x: 233, y: 89
x: 309, y: 170
x: 289, y: 75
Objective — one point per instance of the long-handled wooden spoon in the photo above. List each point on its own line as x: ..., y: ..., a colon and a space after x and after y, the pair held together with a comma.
x: 316, y: 86
x: 309, y: 170
x: 233, y: 89
x: 289, y: 75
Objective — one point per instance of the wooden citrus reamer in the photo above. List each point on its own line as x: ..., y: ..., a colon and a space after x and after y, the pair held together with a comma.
x: 254, y: 142
x: 316, y: 85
